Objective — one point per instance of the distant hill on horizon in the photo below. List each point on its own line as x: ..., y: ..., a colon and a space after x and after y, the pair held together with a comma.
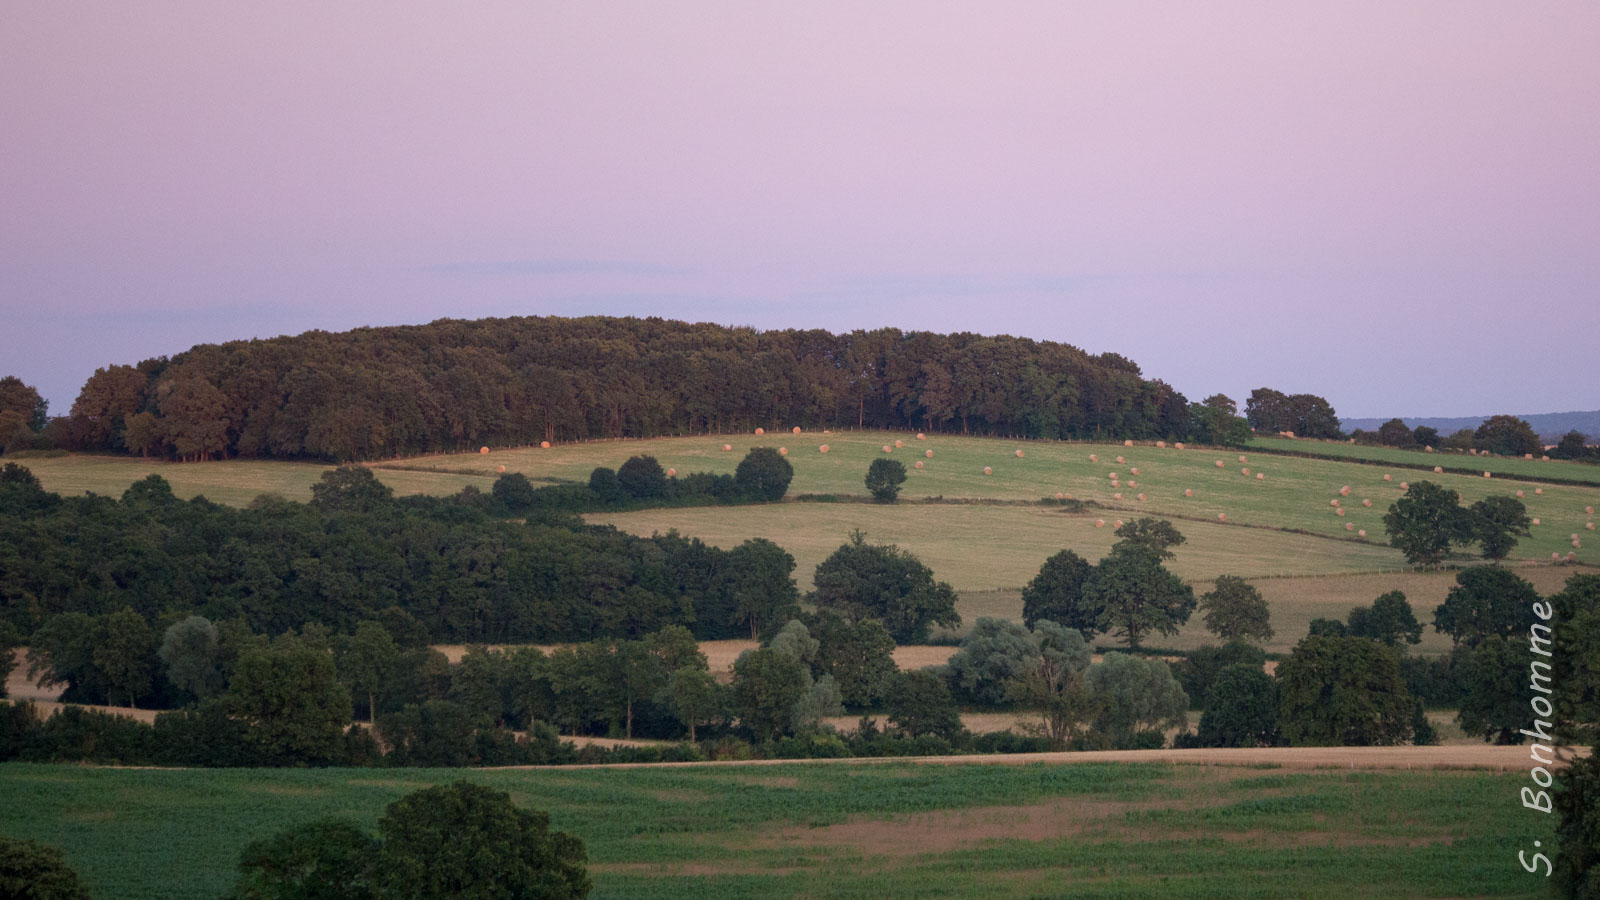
x: 1549, y: 426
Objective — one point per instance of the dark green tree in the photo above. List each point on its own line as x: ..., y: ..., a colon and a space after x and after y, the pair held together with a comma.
x: 1235, y: 610
x: 919, y: 702
x: 1056, y: 594
x: 1137, y: 595
x: 642, y: 477
x: 1575, y: 862
x: 1493, y: 676
x: 514, y: 491
x: 1241, y: 709
x: 9, y: 641
x: 767, y: 685
x: 192, y: 653
x: 21, y: 405
x: 694, y: 697
x: 122, y: 651
x: 291, y: 702
x: 1346, y: 691
x: 1201, y: 668
x: 763, y: 474
x: 1055, y: 686
x: 1506, y: 436
x: 605, y: 486
x: 1157, y: 534
x: 875, y: 581
x: 350, y: 488
x: 1496, y: 524
x: 369, y: 664
x: 1395, y: 433
x: 1423, y: 436
x: 33, y: 871
x: 325, y: 859
x: 1486, y: 601
x: 884, y: 478
x: 760, y: 577
x: 994, y: 653
x: 859, y: 656
x: 1426, y: 522
x: 1573, y: 445
x: 1389, y: 620
x: 466, y: 840
x: 1575, y: 615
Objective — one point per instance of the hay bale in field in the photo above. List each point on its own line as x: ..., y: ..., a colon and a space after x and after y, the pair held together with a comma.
x: 483, y: 449
x: 1438, y: 470
x: 544, y: 445
x: 1019, y: 454
x: 1572, y: 557
x: 1134, y: 470
x: 1527, y: 456
x: 1121, y: 460
x: 1589, y: 510
x: 1242, y: 458
x: 1132, y: 483
x: 1574, y: 535
x: 826, y: 431
x: 1589, y: 525
x: 726, y: 447
x: 1117, y: 524
x: 1188, y: 492
x: 1058, y: 495
x: 797, y: 429
x: 1117, y: 496
x: 1333, y: 503
x: 1339, y: 511
x: 1161, y: 444
x: 1555, y: 556
x: 760, y: 432
x: 1219, y: 463
x: 1245, y: 471
x: 1178, y: 445
x: 1487, y: 475
x: 671, y: 472
x: 1112, y: 475
x: 1127, y: 443
x: 1388, y: 477
x: 1141, y: 497
x: 899, y: 444
x: 1361, y: 533
x: 921, y: 436
x: 1405, y: 485
x: 928, y: 454
x: 1222, y: 517
x: 1544, y: 458
x: 887, y: 448
x: 1535, y: 520
x: 988, y: 471
x: 1520, y: 495
x: 1577, y: 545
x: 1367, y: 503
x: 918, y: 464
x: 500, y: 469
x: 1349, y: 526
x: 823, y: 448
x: 1428, y: 448
x: 1261, y: 476
x: 1538, y: 490
x: 1099, y: 523
x: 1094, y: 457
x: 783, y: 451
x: 1344, y: 491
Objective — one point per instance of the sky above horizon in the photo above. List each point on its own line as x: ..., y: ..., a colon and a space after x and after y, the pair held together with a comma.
x: 1395, y: 206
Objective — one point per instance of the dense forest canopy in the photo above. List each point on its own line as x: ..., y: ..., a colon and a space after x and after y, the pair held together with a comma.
x: 453, y: 385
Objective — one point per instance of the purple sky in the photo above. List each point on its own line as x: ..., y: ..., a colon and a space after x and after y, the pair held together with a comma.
x: 1396, y: 206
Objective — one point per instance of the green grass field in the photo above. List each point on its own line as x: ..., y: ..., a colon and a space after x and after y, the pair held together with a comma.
x: 1512, y: 467
x: 853, y: 830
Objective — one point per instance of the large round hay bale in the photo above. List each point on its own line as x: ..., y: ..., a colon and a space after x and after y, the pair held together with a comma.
x: 1538, y: 490
x: 1535, y: 520
x: 826, y: 431
x: 1520, y: 495
x: 1349, y: 526
x: 1261, y: 476
x: 928, y: 453
x: 1589, y: 510
x: 887, y: 448
x: 988, y: 471
x: 1141, y: 497
x: 1554, y: 557
x: 1333, y: 503
x: 1094, y: 457
x: 1127, y: 443
x: 1367, y: 503
x: 1188, y: 492
x: 783, y: 451
x: 1117, y: 496
x: 1132, y: 483
x: 899, y: 444
x: 1361, y: 533
x: 1242, y: 458
x: 1438, y: 470
x: 1527, y: 456
x: 483, y: 449
x: 1134, y: 470
x: 1589, y: 525
x: 500, y: 469
x: 1572, y: 557
x: 1112, y: 475
x: 671, y: 472
x: 1178, y: 445
x: 1388, y: 478
x: 1545, y: 458
x: 1222, y: 517
x: 1019, y: 454
x: 1487, y: 475
x: 1405, y: 485
x: 726, y: 447
x: 921, y: 436
x: 1099, y: 523
x: 1120, y: 460
x: 1573, y: 536
x: 1344, y: 491
x: 760, y: 431
x: 1339, y: 511
x: 1117, y: 524
x: 544, y: 445
x: 796, y: 429
x: 823, y: 448
x: 1058, y: 495
x: 1219, y: 463
x: 1428, y: 448
x: 1161, y: 444
x: 918, y: 464
x: 1245, y: 471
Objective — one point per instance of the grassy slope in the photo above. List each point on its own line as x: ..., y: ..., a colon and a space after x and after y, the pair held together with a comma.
x: 1511, y: 467
x: 1093, y: 830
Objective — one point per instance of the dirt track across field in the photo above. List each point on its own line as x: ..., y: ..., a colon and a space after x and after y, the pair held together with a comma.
x: 1506, y: 759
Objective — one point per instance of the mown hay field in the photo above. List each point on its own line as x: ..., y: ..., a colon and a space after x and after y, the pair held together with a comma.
x: 850, y: 830
x: 1510, y: 466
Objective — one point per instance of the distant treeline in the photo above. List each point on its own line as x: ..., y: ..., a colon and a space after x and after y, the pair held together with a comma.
x: 454, y: 385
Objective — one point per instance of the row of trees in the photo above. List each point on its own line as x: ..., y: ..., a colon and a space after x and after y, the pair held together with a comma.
x: 1428, y: 522
x: 451, y: 385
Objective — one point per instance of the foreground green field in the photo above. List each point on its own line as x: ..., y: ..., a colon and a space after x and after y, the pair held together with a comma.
x: 854, y: 830
x: 1512, y: 467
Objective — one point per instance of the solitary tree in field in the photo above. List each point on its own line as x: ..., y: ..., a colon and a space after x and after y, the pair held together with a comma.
x: 1394, y: 433
x: 1235, y: 610
x: 1157, y: 534
x: 1426, y: 522
x: 1497, y: 522
x: 1137, y: 595
x: 884, y: 478
x: 350, y: 487
x: 1056, y: 593
x: 763, y: 474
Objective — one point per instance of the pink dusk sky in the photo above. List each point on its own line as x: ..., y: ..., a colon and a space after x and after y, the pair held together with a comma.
x: 1394, y: 205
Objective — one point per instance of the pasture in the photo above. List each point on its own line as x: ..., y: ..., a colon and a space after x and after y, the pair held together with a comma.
x: 851, y: 829
x: 1509, y: 466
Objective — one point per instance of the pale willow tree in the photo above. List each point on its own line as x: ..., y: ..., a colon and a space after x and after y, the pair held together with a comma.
x: 1137, y: 695
x: 1054, y: 685
x: 192, y: 653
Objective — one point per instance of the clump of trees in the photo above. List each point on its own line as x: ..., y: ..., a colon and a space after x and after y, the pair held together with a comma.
x: 1307, y: 415
x: 763, y: 476
x: 29, y: 869
x: 861, y: 581
x: 884, y: 478
x: 1428, y: 522
x: 1128, y: 593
